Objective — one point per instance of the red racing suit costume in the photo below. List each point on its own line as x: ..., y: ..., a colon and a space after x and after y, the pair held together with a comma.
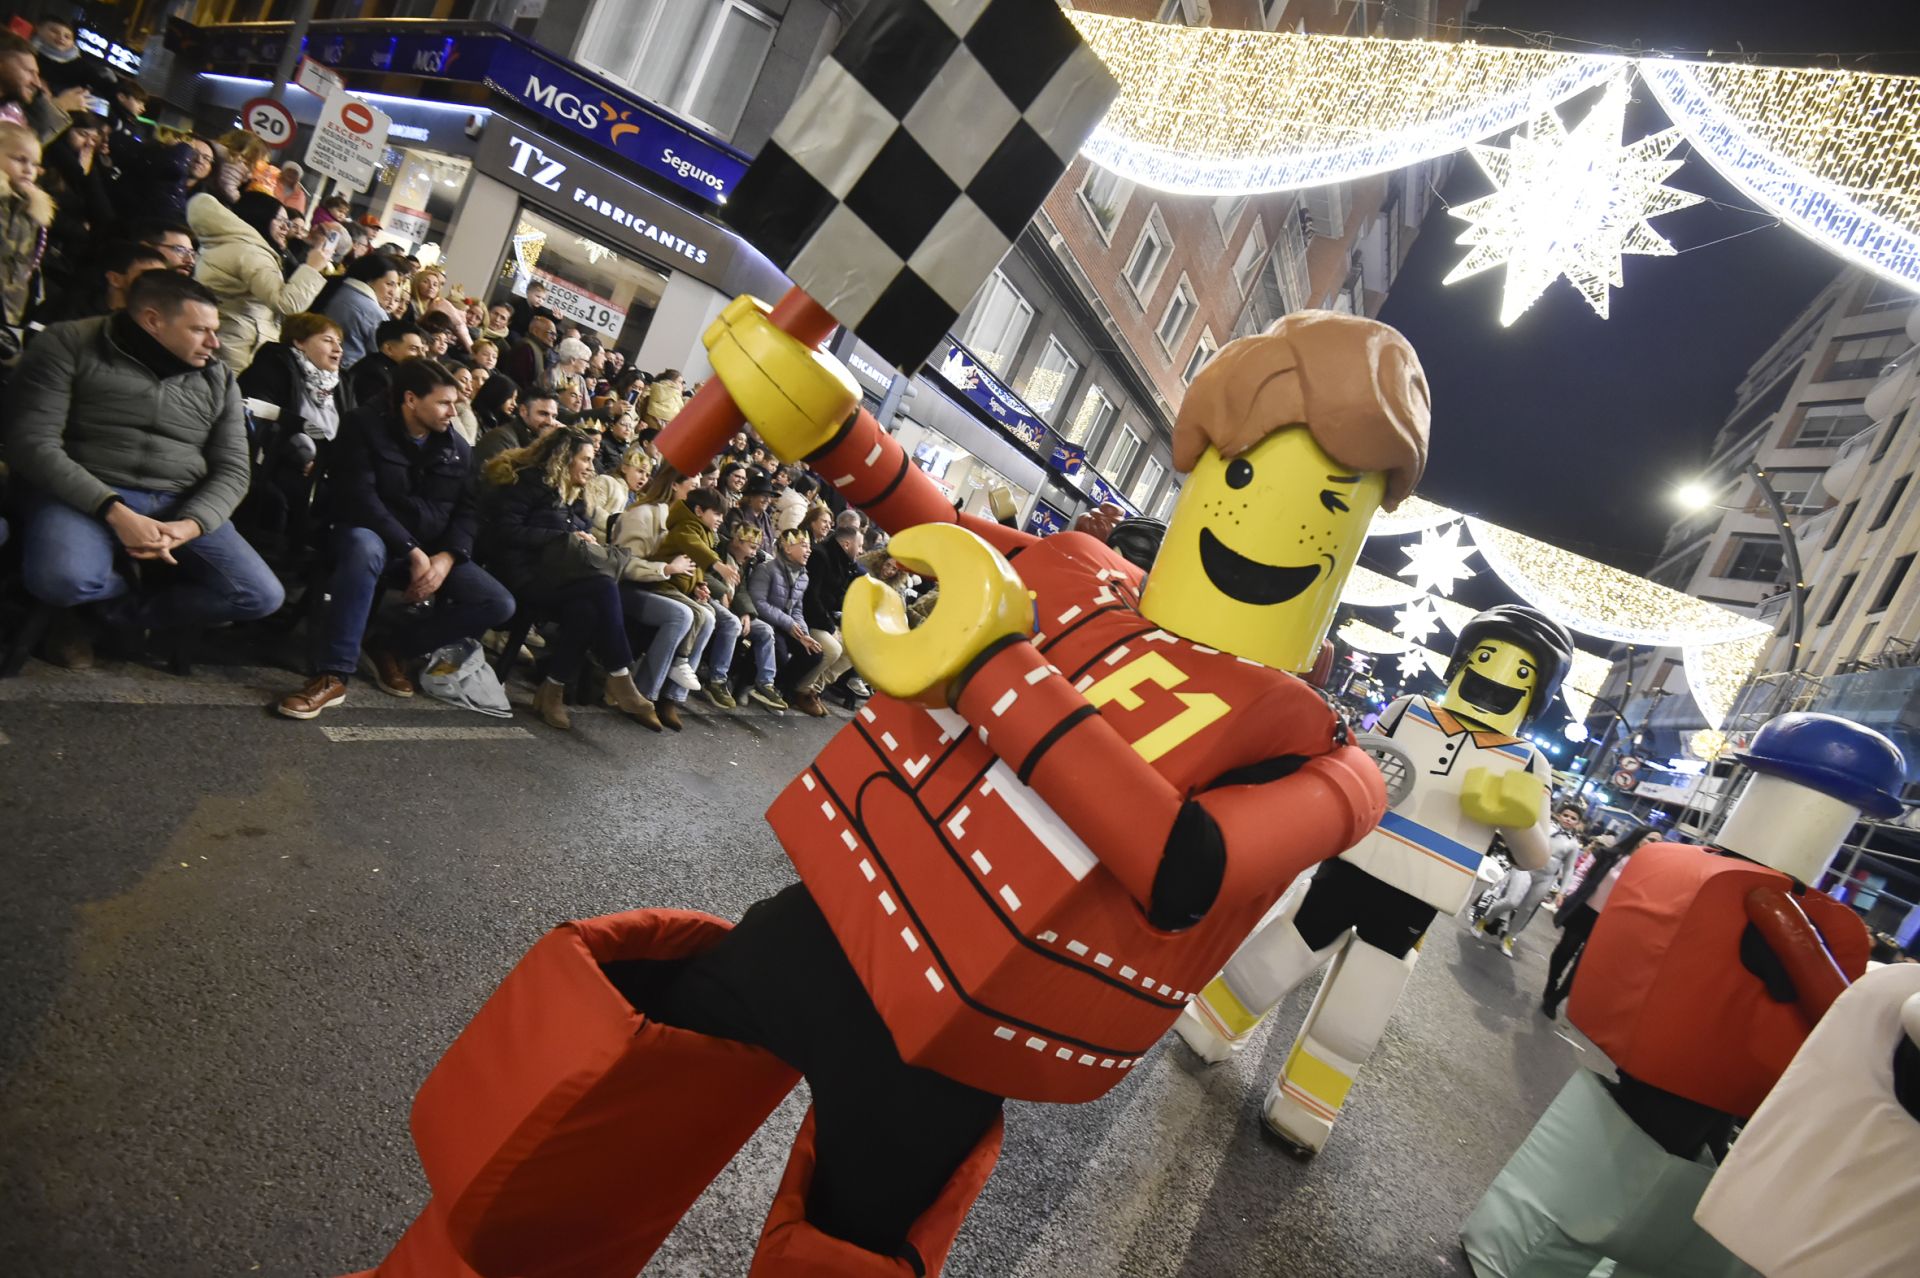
x: 989, y: 872
x: 1664, y: 988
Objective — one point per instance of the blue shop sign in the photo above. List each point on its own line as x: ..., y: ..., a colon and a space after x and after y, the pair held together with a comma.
x: 1045, y: 520
x: 1069, y: 459
x: 624, y: 125
x: 964, y: 373
x: 584, y: 104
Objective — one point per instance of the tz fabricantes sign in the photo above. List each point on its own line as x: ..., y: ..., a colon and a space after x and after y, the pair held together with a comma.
x: 632, y: 218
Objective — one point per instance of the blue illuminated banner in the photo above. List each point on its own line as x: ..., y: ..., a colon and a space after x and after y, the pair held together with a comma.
x: 1045, y: 520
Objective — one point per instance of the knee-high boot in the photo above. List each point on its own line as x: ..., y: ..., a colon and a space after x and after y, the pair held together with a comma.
x: 792, y: 1248
x: 565, y: 1132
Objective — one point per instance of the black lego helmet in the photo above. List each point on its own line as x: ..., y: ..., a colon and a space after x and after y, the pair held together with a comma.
x: 1546, y: 639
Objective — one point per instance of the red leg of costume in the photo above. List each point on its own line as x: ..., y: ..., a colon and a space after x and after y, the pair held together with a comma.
x: 564, y: 1133
x: 792, y: 1248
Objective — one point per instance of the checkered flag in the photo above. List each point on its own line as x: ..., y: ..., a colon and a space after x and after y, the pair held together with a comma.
x: 914, y: 157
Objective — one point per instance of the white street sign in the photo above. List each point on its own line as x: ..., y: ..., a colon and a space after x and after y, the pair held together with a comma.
x: 348, y: 141
x: 268, y: 120
x: 318, y: 79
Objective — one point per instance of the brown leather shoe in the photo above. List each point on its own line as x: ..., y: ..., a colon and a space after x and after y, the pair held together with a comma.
x: 388, y: 672
x: 68, y: 644
x: 321, y: 691
x: 550, y: 703
x: 669, y: 714
x: 625, y: 696
x: 809, y: 703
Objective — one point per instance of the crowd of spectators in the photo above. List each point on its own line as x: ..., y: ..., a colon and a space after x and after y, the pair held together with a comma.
x: 228, y: 402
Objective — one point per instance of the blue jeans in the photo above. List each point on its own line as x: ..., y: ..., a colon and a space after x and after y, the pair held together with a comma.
x: 671, y: 618
x: 68, y: 558
x: 764, y: 650
x: 468, y: 603
x: 725, y: 641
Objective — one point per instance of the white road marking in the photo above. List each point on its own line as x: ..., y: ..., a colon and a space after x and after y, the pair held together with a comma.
x: 346, y: 734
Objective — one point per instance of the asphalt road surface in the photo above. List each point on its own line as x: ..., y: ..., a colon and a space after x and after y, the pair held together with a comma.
x: 231, y: 946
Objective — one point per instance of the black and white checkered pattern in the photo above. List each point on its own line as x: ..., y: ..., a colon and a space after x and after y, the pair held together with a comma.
x: 914, y: 157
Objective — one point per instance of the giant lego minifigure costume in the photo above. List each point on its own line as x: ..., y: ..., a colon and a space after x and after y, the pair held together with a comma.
x: 1074, y: 798
x: 1367, y: 912
x: 1704, y: 975
x: 1825, y: 1178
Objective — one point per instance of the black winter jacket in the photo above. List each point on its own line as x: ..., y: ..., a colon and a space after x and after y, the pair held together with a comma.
x: 519, y: 520
x: 411, y: 494
x: 829, y: 572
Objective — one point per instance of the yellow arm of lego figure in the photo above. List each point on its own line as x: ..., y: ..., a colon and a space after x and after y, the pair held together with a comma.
x: 1515, y: 803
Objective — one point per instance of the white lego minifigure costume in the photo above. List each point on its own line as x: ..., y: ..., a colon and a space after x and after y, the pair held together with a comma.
x: 1366, y: 913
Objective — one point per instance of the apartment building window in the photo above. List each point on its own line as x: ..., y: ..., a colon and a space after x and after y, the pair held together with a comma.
x: 1864, y: 356
x: 698, y: 58
x: 1253, y: 253
x: 1892, y: 432
x: 1327, y: 208
x: 1050, y: 379
x: 999, y: 324
x: 1270, y: 11
x: 1839, y: 599
x: 1840, y: 524
x: 1124, y: 447
x: 1885, y: 295
x: 1754, y: 559
x: 1226, y: 212
x: 1104, y: 195
x: 1096, y: 413
x: 1164, y: 510
x: 1149, y: 257
x: 1824, y: 425
x: 1203, y: 352
x: 1895, y: 580
x: 1892, y: 503
x: 1795, y: 490
x: 1187, y: 13
x: 1150, y: 476
x: 1179, y: 313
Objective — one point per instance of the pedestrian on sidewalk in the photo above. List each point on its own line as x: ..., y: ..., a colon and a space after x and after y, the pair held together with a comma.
x: 1522, y: 891
x: 1581, y: 910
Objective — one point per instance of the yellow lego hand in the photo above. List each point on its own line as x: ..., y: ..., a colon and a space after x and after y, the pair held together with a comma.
x: 982, y: 600
x: 1508, y: 800
x: 795, y: 396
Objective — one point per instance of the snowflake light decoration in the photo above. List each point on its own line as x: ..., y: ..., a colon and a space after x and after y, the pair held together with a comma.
x: 1438, y: 560
x: 1413, y: 664
x: 1575, y: 732
x: 1570, y: 202
x: 1417, y: 621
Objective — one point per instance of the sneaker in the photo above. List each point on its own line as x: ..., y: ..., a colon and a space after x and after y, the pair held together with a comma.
x: 668, y: 713
x: 387, y: 672
x: 809, y: 703
x: 682, y: 674
x: 767, y: 695
x: 321, y: 691
x: 858, y: 687
x: 716, y: 694
x: 1480, y: 928
x: 1506, y: 946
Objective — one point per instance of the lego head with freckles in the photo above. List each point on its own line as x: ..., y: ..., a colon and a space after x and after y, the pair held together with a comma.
x: 1292, y: 439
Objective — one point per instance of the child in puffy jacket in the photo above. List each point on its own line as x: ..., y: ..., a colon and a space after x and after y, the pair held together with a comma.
x: 26, y: 212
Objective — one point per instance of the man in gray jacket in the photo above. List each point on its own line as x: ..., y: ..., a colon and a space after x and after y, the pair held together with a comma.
x: 128, y: 438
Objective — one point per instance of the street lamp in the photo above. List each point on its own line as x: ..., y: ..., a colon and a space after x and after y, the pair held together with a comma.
x: 1697, y: 495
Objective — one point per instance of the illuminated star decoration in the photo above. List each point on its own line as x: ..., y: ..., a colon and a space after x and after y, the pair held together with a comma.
x: 1413, y: 663
x: 1416, y: 622
x: 1438, y: 560
x: 1575, y: 732
x: 1570, y: 203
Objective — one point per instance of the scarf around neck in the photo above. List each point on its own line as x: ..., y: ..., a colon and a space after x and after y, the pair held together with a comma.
x: 320, y: 381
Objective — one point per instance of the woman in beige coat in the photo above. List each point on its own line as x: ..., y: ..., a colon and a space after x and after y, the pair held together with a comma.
x: 240, y: 260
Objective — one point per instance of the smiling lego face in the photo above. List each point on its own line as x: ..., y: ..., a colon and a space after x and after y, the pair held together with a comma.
x: 1494, y: 685
x: 1259, y: 548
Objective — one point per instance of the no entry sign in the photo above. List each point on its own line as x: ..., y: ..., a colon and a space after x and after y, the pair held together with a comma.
x: 268, y: 120
x: 347, y: 141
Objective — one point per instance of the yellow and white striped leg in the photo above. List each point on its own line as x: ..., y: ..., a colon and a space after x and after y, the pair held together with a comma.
x: 1342, y: 1028
x: 1265, y: 969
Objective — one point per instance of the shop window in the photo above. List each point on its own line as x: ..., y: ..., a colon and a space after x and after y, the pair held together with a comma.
x: 1148, y: 258
x: 999, y: 324
x: 1095, y: 415
x: 1825, y: 425
x: 1124, y: 447
x: 1203, y: 352
x: 1050, y: 379
x: 698, y: 58
x: 1839, y: 599
x: 415, y: 192
x: 1104, y: 195
x: 1895, y: 580
x: 1179, y: 313
x: 1150, y: 475
x: 588, y: 283
x: 1891, y: 504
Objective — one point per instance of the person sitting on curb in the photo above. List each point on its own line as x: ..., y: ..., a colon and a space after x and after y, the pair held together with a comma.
x: 742, y: 548
x: 692, y: 528
x: 779, y: 589
x: 128, y: 438
x: 538, y: 413
x: 395, y: 342
x: 404, y: 512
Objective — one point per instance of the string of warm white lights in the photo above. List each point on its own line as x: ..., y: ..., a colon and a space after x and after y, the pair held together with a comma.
x: 1216, y: 111
x: 1412, y: 515
x: 1717, y: 672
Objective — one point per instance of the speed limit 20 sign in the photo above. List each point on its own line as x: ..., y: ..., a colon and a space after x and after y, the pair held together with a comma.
x: 268, y: 120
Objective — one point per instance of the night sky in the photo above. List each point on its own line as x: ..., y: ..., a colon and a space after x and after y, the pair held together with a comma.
x: 1575, y: 429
